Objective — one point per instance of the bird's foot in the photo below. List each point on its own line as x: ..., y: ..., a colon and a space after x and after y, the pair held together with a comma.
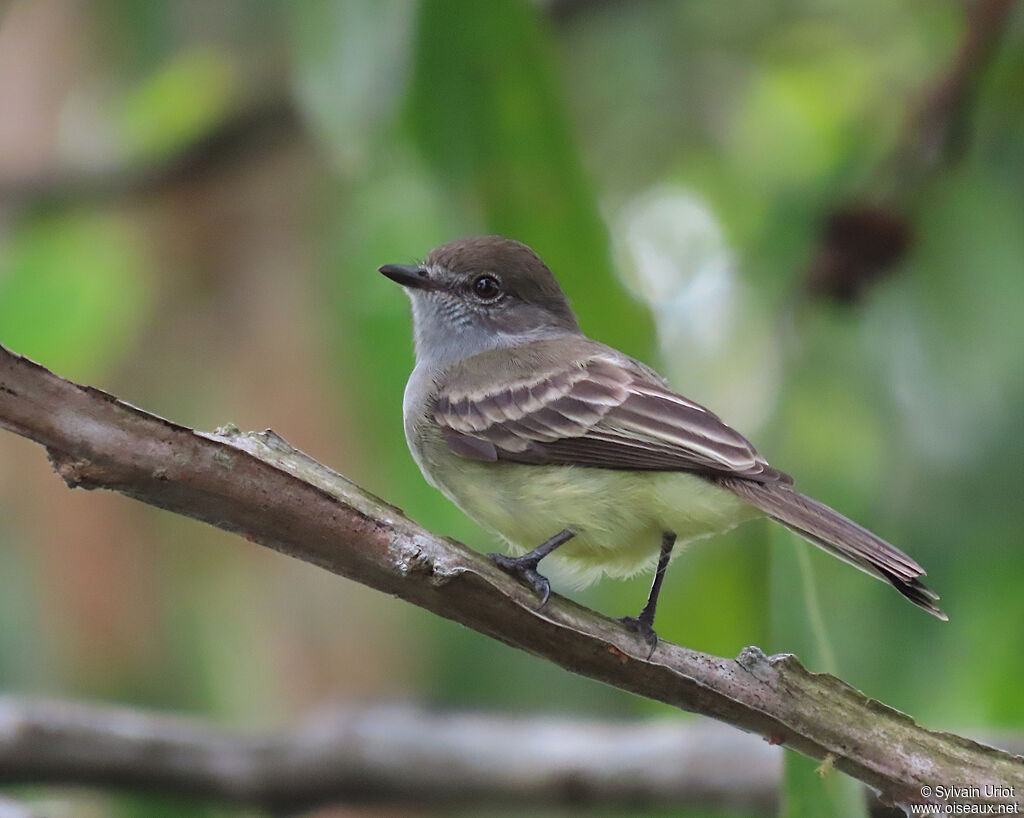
x: 525, y: 568
x: 643, y: 628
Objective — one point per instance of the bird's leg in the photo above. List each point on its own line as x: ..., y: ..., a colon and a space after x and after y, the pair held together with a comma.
x: 525, y: 567
x: 644, y: 624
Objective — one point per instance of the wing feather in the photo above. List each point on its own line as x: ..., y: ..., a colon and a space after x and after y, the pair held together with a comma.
x: 600, y: 413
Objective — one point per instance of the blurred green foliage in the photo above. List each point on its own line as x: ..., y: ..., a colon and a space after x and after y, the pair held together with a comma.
x: 251, y: 297
x: 73, y: 290
x: 183, y: 100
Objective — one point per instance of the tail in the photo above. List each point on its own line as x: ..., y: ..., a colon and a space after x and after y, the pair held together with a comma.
x: 841, y: 537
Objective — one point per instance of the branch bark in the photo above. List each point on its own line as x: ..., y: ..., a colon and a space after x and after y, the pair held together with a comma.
x: 390, y: 755
x: 258, y: 486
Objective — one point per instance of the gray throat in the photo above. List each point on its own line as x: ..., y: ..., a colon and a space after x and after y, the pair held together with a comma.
x: 444, y: 334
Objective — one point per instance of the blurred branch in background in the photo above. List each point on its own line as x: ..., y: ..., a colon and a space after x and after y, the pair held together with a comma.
x: 245, y: 135
x: 861, y: 241
x: 258, y: 486
x: 940, y: 132
x: 390, y: 755
x: 394, y: 755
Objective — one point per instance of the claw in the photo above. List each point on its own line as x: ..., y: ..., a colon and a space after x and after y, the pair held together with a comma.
x: 525, y: 568
x: 642, y: 628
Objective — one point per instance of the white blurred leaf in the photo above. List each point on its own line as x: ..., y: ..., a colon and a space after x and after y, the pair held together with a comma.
x: 718, y: 342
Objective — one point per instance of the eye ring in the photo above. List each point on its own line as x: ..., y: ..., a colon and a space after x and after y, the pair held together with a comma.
x: 486, y: 287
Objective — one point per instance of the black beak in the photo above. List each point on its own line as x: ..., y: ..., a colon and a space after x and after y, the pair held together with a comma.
x: 408, y: 275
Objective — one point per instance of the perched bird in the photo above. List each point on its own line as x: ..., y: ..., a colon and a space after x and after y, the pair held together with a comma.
x: 555, y: 441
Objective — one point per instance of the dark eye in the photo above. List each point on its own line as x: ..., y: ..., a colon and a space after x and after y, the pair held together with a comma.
x: 486, y: 287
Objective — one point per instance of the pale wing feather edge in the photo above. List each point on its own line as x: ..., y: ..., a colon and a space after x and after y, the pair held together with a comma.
x: 597, y: 413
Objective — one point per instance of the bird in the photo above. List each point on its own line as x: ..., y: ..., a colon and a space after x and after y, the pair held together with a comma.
x: 566, y: 447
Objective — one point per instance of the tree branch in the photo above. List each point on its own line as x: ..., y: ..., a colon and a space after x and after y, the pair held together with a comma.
x: 389, y: 755
x: 243, y: 135
x: 258, y: 486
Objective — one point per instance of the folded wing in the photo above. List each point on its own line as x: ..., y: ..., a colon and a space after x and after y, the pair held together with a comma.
x: 599, y: 413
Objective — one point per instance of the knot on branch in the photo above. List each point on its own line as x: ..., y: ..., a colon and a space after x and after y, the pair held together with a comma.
x: 412, y: 560
x: 753, y: 660
x: 74, y: 471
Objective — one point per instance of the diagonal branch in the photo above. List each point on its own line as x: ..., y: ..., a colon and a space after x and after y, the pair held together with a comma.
x: 260, y: 487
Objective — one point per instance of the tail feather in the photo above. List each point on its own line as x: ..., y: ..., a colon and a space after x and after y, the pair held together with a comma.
x: 840, y: 536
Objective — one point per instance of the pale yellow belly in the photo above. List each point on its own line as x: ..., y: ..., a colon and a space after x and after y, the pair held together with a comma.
x: 618, y: 516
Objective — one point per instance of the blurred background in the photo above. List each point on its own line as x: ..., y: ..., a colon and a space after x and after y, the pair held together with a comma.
x: 808, y: 214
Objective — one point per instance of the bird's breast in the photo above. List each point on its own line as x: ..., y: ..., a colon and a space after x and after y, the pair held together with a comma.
x: 618, y: 516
